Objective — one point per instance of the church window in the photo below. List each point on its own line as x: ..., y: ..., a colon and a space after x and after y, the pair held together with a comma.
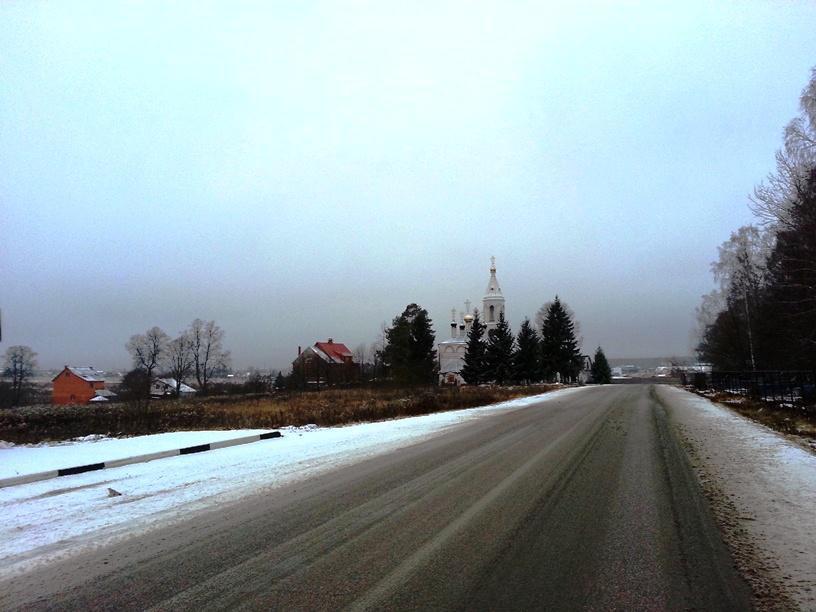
x: 492, y: 316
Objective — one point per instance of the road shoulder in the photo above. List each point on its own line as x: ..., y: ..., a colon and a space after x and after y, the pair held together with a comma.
x: 762, y: 490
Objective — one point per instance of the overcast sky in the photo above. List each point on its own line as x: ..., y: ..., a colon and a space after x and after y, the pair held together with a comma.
x: 303, y: 170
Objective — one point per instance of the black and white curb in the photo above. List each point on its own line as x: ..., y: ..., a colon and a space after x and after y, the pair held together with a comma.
x: 189, y: 450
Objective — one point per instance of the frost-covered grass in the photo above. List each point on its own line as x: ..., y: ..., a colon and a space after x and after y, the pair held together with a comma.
x: 328, y: 407
x: 784, y: 417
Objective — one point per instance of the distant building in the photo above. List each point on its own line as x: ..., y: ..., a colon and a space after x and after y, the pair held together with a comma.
x: 79, y: 385
x: 166, y: 387
x: 451, y: 352
x: 325, y: 363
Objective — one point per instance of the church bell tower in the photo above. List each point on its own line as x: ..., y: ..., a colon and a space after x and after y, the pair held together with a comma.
x: 493, y: 301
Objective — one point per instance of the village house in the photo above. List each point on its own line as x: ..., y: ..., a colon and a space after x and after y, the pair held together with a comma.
x: 79, y: 385
x: 325, y: 363
x: 166, y: 387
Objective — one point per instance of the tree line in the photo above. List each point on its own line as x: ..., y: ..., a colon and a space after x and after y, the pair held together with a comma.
x: 406, y: 355
x: 762, y: 315
x: 498, y: 357
x: 197, y: 352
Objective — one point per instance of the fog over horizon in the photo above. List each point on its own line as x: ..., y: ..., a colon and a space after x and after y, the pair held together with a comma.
x: 304, y: 171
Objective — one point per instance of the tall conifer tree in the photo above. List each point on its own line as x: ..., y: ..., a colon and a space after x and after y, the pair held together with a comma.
x: 601, y: 372
x: 499, y: 352
x: 527, y: 358
x: 423, y: 353
x: 560, y: 354
x: 409, y: 351
x: 473, y: 370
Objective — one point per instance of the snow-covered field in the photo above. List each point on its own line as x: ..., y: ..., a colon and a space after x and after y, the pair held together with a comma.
x: 771, y: 482
x: 56, y: 518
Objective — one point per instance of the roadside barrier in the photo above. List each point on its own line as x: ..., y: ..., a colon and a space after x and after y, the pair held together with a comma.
x: 189, y: 450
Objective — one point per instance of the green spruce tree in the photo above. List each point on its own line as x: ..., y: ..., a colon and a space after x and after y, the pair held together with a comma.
x: 499, y: 352
x: 526, y: 359
x: 601, y: 372
x: 409, y: 352
x: 473, y: 370
x: 560, y: 355
x: 397, y: 348
x: 423, y: 354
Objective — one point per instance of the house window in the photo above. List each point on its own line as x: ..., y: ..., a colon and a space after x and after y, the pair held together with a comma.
x: 492, y: 314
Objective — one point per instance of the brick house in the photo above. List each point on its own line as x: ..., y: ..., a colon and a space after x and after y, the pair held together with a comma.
x: 325, y: 363
x: 81, y: 385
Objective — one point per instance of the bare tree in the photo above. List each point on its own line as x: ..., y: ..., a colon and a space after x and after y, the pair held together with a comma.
x: 361, y: 359
x: 741, y: 272
x: 180, y: 359
x: 743, y: 259
x: 18, y: 365
x: 772, y: 200
x: 208, y: 351
x: 376, y: 351
x: 361, y: 353
x: 711, y: 305
x: 148, y: 350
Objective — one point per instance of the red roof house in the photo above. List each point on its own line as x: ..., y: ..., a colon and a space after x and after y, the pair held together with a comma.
x: 79, y: 386
x: 328, y: 363
x: 335, y: 351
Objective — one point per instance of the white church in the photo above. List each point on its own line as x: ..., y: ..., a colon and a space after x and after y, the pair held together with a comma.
x: 451, y: 352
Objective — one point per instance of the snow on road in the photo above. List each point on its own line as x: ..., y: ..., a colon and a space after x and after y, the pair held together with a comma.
x: 56, y: 518
x: 767, y: 480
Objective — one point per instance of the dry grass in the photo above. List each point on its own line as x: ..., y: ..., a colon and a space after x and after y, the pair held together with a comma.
x: 330, y: 407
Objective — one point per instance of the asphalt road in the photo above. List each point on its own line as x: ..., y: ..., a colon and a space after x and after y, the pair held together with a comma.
x: 583, y: 502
